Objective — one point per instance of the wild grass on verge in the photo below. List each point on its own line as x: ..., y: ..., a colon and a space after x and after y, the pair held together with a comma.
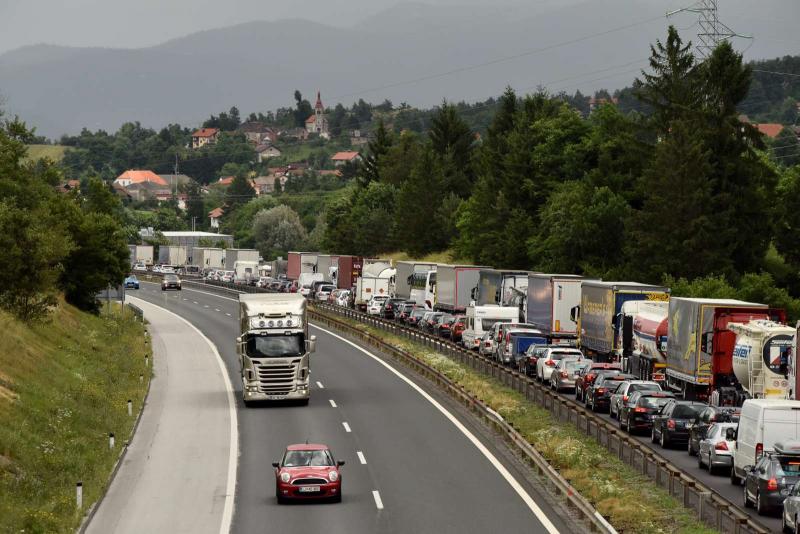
x: 630, y: 501
x: 64, y: 385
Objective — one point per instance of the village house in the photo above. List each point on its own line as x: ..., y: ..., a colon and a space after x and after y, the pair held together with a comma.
x: 258, y: 133
x: 358, y: 138
x: 264, y: 152
x: 343, y: 158
x: 139, y: 176
x: 595, y: 103
x: 204, y: 136
x: 265, y: 185
x: 214, y: 217
x: 770, y: 129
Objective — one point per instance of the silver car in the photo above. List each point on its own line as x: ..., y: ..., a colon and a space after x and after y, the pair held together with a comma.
x: 486, y: 348
x: 715, y: 452
x: 566, y: 373
x: 790, y: 517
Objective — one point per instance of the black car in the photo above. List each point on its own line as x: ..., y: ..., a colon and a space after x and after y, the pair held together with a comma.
x: 672, y: 422
x: 706, y: 418
x: 170, y: 281
x: 390, y: 306
x: 599, y: 397
x: 428, y: 326
x: 638, y: 411
x: 768, y: 483
x: 443, y: 325
x: 599, y: 375
x: 415, y: 316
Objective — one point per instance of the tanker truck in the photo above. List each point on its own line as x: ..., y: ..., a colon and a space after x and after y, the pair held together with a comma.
x: 761, y: 358
x: 644, y: 338
x: 274, y: 347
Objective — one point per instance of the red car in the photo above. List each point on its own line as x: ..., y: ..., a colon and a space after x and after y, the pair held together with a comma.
x: 458, y: 327
x: 587, y: 377
x: 308, y: 471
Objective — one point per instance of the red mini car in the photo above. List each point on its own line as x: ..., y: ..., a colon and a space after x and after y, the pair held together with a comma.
x: 308, y: 471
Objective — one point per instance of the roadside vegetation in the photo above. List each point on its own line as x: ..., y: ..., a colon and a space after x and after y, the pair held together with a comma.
x: 630, y: 501
x: 64, y: 386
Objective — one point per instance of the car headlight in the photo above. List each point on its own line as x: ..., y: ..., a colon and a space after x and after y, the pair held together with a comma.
x: 334, y: 476
x: 285, y: 477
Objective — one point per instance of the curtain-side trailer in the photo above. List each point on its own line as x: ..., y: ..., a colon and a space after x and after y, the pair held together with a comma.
x: 551, y: 298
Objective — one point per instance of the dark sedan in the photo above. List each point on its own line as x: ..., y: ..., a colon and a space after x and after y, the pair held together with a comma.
x: 599, y: 396
x: 671, y: 424
x: 390, y: 307
x: 587, y: 377
x: 442, y: 326
x: 769, y: 482
x: 170, y: 281
x: 637, y: 413
x: 415, y: 316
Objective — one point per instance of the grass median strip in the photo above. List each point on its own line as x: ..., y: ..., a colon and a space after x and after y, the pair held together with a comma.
x: 64, y: 386
x: 630, y: 501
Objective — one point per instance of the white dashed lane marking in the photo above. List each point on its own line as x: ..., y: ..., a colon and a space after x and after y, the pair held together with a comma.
x: 333, y: 403
x: 320, y: 386
x: 361, y: 458
x: 228, y: 314
x: 378, y: 501
x: 346, y: 427
x: 216, y: 309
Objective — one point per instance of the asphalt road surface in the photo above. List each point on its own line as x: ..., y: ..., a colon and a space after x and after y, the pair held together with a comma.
x: 412, y: 464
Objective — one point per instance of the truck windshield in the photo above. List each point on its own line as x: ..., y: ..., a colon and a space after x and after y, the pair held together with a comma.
x: 279, y: 346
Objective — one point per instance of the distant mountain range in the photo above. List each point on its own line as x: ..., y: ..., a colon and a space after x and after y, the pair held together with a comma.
x: 410, y: 53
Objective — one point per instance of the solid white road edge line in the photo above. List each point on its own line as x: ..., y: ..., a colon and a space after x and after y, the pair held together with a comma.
x: 378, y: 501
x: 515, y: 485
x: 361, y: 457
x: 346, y: 427
x: 233, y: 454
x: 333, y: 403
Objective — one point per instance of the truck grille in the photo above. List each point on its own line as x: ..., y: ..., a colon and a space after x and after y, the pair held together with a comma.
x: 312, y: 481
x: 276, y: 379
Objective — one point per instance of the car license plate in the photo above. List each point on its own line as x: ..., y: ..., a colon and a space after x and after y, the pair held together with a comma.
x: 309, y: 489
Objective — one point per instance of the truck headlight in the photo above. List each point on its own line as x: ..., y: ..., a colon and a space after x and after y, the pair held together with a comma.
x: 334, y: 476
x: 285, y: 477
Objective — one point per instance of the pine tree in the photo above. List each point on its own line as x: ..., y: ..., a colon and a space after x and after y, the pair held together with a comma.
x: 452, y: 138
x: 376, y: 149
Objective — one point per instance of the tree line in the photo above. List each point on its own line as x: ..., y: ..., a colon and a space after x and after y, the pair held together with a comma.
x: 681, y: 187
x: 53, y: 243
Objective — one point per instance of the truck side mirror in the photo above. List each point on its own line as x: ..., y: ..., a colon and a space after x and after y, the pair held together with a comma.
x: 730, y: 434
x: 311, y: 344
x: 474, y: 293
x: 239, y: 339
x: 707, y: 342
x: 575, y: 313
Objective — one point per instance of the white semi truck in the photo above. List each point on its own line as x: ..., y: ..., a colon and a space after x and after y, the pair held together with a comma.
x: 274, y: 347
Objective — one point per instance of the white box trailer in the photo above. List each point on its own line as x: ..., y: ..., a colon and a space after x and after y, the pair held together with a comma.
x: 405, y: 272
x: 233, y: 255
x: 208, y: 258
x: 172, y: 255
x: 327, y: 266
x: 141, y: 254
x: 454, y: 285
x: 375, y: 279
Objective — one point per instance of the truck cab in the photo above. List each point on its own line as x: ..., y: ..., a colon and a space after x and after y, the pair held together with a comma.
x: 274, y: 347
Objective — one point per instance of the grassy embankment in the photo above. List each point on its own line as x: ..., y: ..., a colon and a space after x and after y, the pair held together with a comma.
x: 64, y: 385
x: 445, y: 256
x: 54, y: 152
x: 630, y: 501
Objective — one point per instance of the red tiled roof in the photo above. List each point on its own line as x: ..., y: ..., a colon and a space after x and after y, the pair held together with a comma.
x: 216, y: 213
x: 226, y: 180
x: 345, y: 156
x: 138, y: 177
x: 770, y: 129
x: 206, y: 132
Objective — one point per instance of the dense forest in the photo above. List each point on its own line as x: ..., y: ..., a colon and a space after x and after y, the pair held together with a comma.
x: 686, y: 190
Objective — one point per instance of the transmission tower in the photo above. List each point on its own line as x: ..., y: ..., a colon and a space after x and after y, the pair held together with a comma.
x: 712, y: 30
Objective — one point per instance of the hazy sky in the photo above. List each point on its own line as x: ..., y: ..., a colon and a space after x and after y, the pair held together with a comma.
x: 138, y: 23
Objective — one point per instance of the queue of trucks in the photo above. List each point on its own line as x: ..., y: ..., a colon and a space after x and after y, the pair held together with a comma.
x: 718, y: 350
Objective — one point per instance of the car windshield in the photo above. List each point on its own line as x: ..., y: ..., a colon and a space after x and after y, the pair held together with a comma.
x: 685, y: 411
x: 171, y: 278
x: 786, y: 466
x: 644, y: 387
x: 574, y: 366
x: 276, y: 346
x: 308, y: 458
x: 653, y: 402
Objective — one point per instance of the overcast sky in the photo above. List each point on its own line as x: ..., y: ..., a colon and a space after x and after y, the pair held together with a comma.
x: 138, y: 23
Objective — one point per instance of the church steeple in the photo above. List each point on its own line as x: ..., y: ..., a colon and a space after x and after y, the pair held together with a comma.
x: 318, y: 106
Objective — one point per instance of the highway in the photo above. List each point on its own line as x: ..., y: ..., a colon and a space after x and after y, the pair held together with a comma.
x: 415, y: 461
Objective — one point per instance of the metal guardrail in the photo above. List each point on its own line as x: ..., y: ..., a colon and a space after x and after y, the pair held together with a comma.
x: 708, y: 505
x: 137, y: 311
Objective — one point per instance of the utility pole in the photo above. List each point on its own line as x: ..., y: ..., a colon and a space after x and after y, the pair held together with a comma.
x: 712, y: 31
x: 175, y: 176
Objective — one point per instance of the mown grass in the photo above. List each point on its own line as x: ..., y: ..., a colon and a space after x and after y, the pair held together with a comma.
x: 630, y: 501
x: 64, y: 385
x: 54, y: 152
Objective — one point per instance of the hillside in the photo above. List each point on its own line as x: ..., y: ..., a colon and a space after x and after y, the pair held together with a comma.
x: 54, y: 152
x: 52, y: 437
x: 401, y: 54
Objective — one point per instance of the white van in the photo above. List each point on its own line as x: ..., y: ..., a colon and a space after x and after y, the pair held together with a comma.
x: 761, y: 424
x: 480, y: 320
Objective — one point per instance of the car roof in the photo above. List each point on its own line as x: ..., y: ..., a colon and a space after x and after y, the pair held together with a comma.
x: 307, y: 447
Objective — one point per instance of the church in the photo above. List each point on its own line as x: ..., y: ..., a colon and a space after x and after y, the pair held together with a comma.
x: 318, y: 122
